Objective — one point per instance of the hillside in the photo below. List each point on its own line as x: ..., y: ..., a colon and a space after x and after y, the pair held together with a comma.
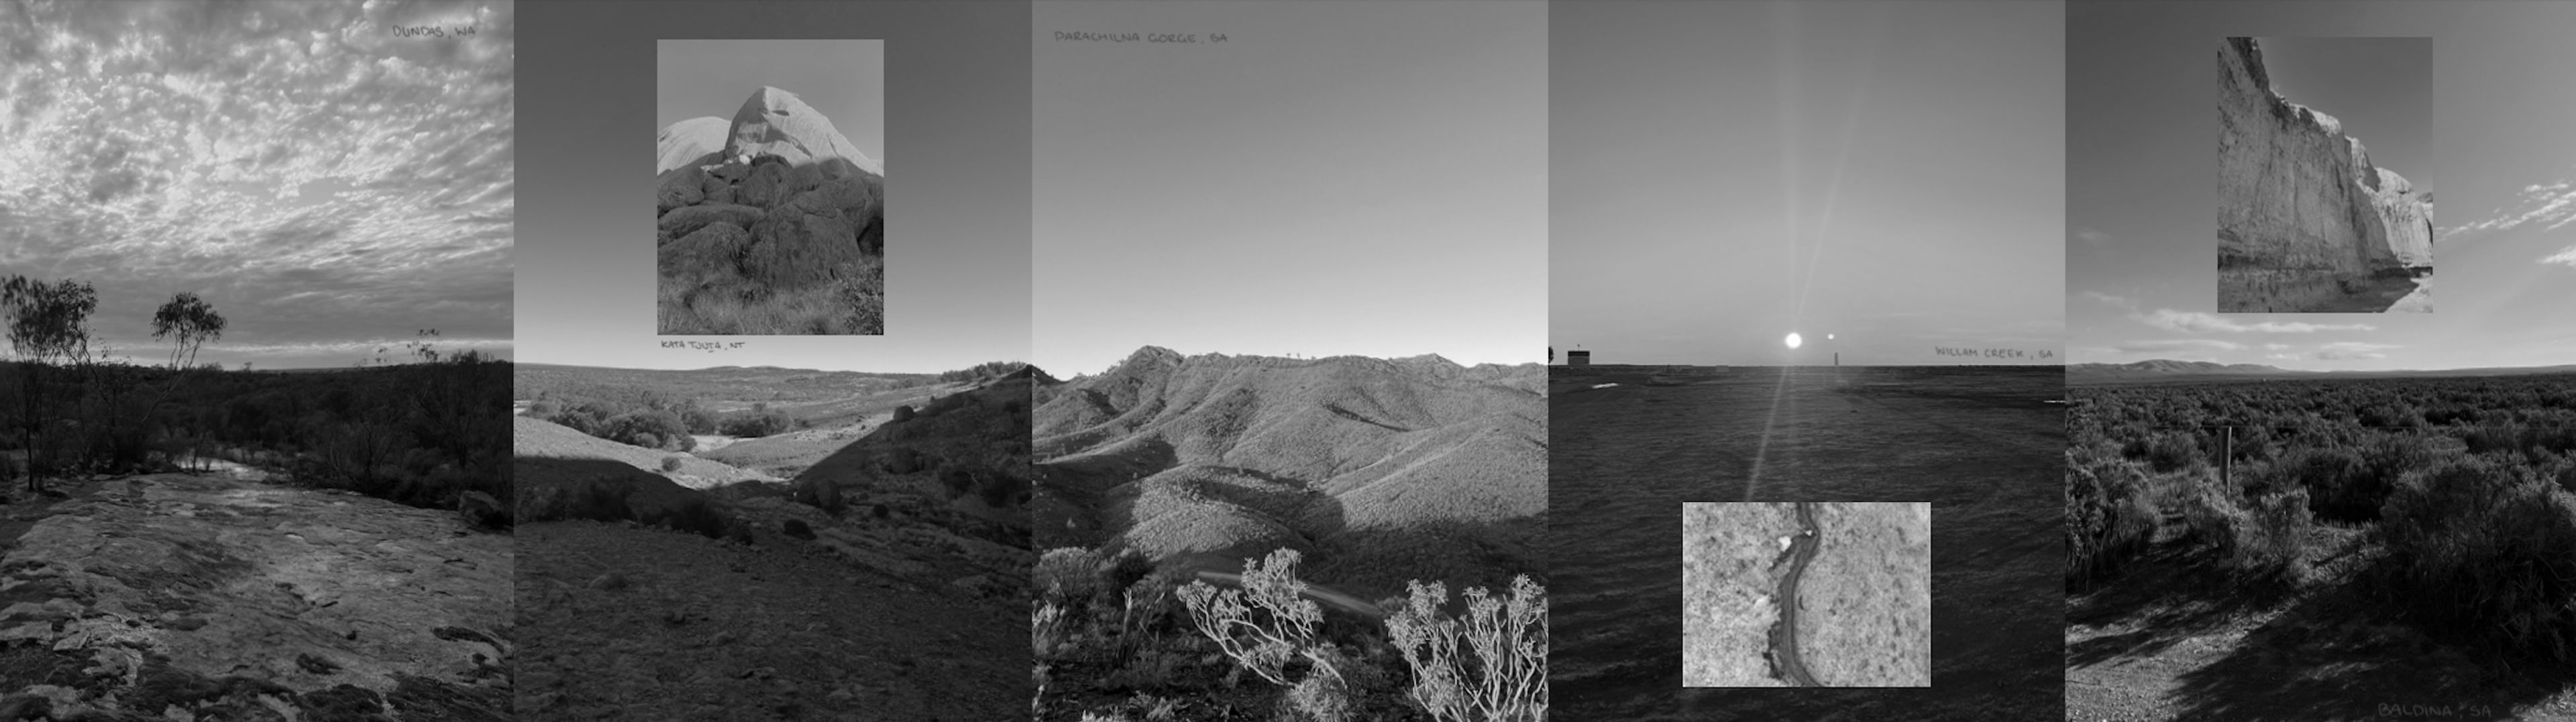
x: 916, y: 520
x: 1391, y: 469
x: 532, y: 438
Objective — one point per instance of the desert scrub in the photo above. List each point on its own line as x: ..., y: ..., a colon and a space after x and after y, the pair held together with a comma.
x: 1506, y: 680
x: 2270, y: 545
x: 1274, y: 628
x: 2109, y: 514
x: 2473, y: 546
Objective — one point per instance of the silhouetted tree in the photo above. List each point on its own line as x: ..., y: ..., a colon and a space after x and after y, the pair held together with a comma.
x: 48, y: 322
x: 192, y: 321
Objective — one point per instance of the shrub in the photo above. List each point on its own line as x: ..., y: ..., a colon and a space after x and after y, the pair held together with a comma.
x: 1068, y: 575
x: 1000, y: 489
x: 2108, y: 515
x: 821, y: 494
x: 2471, y: 547
x: 2211, y: 515
x: 797, y: 528
x: 1508, y: 679
x: 1320, y: 698
x: 1274, y: 628
x: 956, y: 480
x: 694, y: 515
x: 670, y: 463
x: 2270, y: 546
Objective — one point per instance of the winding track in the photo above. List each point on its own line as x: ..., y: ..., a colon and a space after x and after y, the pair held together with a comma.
x: 1784, y: 633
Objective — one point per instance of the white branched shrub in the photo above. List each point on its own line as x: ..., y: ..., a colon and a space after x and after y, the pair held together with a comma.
x: 1265, y: 624
x: 1504, y: 678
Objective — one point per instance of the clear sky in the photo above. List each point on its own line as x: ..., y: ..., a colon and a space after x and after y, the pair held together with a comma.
x: 1727, y: 173
x: 1334, y: 178
x: 843, y: 79
x: 2380, y: 88
x: 328, y: 180
x: 2140, y: 176
x: 955, y: 85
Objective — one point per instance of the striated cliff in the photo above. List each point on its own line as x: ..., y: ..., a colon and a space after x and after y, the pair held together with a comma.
x: 2304, y: 219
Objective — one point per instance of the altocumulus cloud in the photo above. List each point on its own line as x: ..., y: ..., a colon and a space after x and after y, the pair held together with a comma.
x: 323, y: 174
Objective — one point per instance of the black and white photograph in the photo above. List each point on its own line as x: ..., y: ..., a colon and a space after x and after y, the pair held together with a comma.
x: 256, y: 286
x: 2287, y: 515
x: 1753, y: 617
x: 770, y: 214
x: 1291, y: 279
x: 1810, y: 256
x: 2310, y: 218
x: 779, y: 523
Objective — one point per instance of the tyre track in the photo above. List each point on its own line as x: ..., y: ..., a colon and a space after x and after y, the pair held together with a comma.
x: 1785, y: 662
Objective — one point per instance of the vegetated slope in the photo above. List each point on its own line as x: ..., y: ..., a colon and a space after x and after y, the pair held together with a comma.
x: 1403, y: 468
x: 874, y: 583
x: 818, y: 396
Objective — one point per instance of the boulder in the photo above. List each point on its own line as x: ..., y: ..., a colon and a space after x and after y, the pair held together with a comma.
x: 718, y: 246
x: 797, y: 528
x: 799, y: 248
x: 765, y: 186
x: 681, y: 187
x: 681, y: 222
x: 682, y: 144
x: 777, y: 122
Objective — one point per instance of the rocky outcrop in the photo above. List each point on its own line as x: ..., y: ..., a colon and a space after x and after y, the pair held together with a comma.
x: 776, y: 122
x: 2408, y: 216
x: 803, y: 205
x: 2304, y: 218
x: 685, y: 141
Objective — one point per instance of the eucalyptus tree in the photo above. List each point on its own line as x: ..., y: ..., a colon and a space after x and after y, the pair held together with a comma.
x: 47, y: 323
x: 190, y: 322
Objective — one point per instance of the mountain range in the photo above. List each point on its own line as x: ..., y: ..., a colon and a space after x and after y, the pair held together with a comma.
x: 1414, y: 467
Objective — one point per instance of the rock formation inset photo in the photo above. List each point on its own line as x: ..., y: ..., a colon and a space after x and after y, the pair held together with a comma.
x: 771, y: 223
x: 2306, y: 222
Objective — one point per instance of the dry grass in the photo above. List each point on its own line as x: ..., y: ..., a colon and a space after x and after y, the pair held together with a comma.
x: 722, y: 304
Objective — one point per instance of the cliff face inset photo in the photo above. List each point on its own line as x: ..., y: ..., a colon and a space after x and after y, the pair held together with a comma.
x: 2306, y: 222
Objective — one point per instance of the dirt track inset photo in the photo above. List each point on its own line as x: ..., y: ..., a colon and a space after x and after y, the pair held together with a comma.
x: 1806, y: 594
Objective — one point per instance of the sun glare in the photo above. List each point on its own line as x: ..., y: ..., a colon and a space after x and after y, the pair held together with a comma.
x: 1793, y: 340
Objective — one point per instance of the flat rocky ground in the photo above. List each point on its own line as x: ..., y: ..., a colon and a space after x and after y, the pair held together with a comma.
x: 627, y: 623
x: 188, y: 597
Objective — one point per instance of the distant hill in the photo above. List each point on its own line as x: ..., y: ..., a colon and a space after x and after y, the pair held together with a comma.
x: 2165, y: 371
x: 2163, y: 366
x: 1375, y: 463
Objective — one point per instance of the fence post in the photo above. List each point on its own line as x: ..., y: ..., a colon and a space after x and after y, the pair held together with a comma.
x: 2227, y: 458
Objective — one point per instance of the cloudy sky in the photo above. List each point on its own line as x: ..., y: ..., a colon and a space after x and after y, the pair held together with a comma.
x: 1336, y: 178
x: 2140, y: 175
x: 1727, y: 173
x: 843, y: 79
x: 328, y: 182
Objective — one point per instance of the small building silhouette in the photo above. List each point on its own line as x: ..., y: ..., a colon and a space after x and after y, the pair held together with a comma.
x: 1578, y: 358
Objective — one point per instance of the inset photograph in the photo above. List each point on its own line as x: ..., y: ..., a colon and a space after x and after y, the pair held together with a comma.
x: 1807, y: 594
x: 2311, y: 220
x: 770, y: 218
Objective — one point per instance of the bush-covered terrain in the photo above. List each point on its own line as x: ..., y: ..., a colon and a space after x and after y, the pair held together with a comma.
x: 2449, y: 501
x: 422, y: 434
